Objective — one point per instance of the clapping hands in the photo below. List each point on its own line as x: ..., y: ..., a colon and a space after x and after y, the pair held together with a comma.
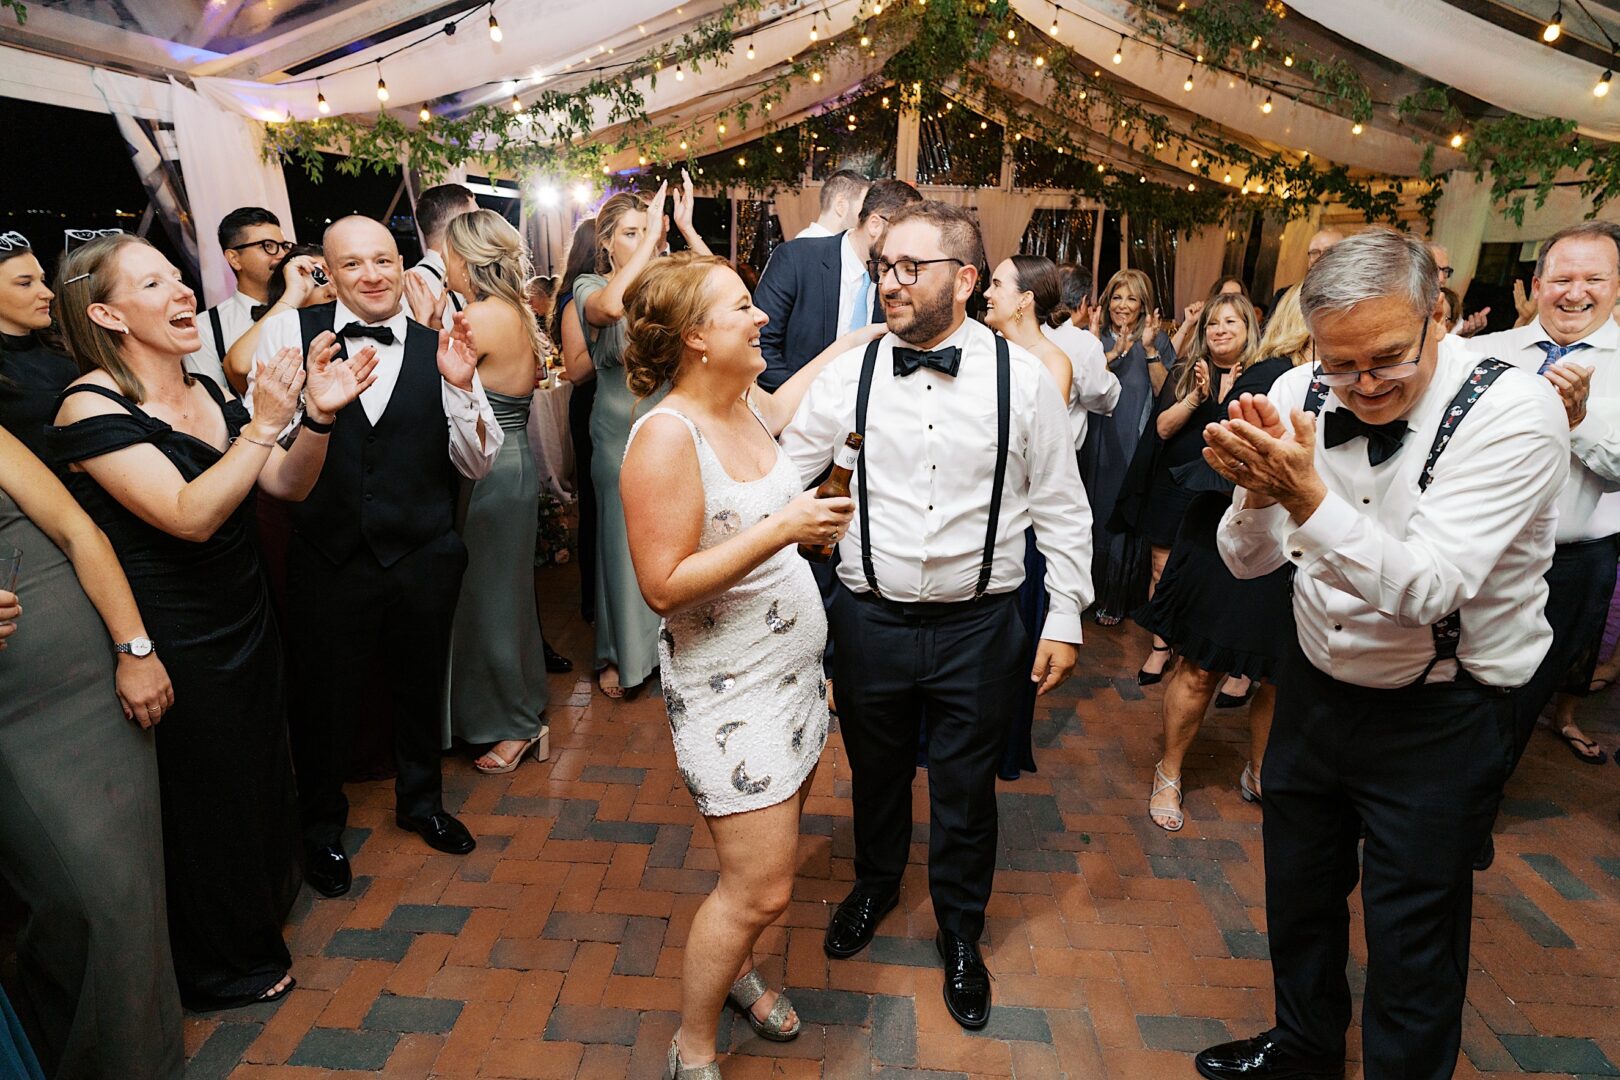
x: 458, y: 353
x: 277, y: 383
x: 329, y: 386
x: 1255, y: 450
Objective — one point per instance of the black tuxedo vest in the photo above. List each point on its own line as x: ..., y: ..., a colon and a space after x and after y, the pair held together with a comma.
x: 390, y: 487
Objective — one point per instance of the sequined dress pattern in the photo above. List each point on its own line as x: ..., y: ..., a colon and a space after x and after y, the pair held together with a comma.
x: 742, y: 673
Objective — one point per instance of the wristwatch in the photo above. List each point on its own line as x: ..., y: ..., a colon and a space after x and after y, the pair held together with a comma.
x: 136, y: 647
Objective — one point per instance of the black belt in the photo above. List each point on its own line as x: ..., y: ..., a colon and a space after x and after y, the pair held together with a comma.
x: 931, y: 610
x: 1576, y: 545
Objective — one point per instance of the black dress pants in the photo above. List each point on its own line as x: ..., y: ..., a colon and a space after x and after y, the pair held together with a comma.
x: 956, y: 668
x: 1580, y: 584
x: 345, y: 617
x: 1423, y: 767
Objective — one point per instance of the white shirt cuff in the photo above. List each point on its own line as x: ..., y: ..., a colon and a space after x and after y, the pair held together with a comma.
x: 1322, y: 533
x: 1061, y: 626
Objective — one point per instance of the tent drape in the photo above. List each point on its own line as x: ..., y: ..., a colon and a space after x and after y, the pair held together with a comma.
x: 797, y: 208
x: 219, y: 157
x: 1459, y: 224
x: 1003, y: 217
x: 1199, y: 255
x: 1291, y: 250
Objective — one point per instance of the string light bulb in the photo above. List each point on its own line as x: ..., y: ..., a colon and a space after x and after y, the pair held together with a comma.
x: 1119, y: 50
x: 1012, y: 34
x: 721, y: 128
x: 1457, y: 140
x: 382, y: 87
x: 750, y: 48
x: 1288, y: 61
x: 684, y: 145
x: 1265, y: 106
x: 1054, y: 31
x: 679, y: 74
x: 815, y: 31
x: 1227, y: 179
x: 1602, y: 87
x: 865, y: 40
x: 1195, y: 162
x: 1255, y: 44
x: 517, y: 103
x: 1188, y: 84
x: 1356, y: 128
x: 320, y: 100
x: 495, y: 34
x: 1040, y: 61
x: 815, y: 76
x: 1555, y: 27
x: 423, y: 114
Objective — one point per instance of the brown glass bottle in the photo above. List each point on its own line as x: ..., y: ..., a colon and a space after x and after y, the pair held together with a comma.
x: 835, y: 486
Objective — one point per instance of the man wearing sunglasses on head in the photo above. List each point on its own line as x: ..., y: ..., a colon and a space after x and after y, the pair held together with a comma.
x: 1412, y: 485
x: 252, y: 241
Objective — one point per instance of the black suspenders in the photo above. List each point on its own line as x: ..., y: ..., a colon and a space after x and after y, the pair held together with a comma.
x: 219, y: 332
x: 434, y: 270
x: 1003, y: 441
x: 1448, y: 631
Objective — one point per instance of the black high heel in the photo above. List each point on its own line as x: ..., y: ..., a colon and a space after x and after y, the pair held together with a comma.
x: 1145, y: 677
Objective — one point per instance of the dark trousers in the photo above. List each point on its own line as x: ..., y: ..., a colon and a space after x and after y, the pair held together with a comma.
x: 1423, y: 767
x: 345, y: 617
x: 580, y: 401
x: 1580, y: 584
x: 955, y: 667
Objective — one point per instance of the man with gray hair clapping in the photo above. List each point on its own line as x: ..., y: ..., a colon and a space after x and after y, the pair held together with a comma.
x: 1412, y: 486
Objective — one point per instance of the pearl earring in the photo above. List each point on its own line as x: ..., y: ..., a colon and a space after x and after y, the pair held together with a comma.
x: 705, y: 358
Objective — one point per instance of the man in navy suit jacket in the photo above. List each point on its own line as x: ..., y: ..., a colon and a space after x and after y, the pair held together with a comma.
x: 801, y: 284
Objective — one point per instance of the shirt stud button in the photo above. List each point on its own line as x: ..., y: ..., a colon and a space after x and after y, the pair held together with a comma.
x: 1365, y: 501
x: 1295, y: 554
x: 1338, y: 626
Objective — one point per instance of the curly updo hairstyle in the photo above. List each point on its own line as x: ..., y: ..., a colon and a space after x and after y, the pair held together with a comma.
x: 667, y: 301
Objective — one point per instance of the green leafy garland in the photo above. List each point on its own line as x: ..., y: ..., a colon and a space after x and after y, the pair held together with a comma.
x: 1122, y: 140
x: 18, y: 8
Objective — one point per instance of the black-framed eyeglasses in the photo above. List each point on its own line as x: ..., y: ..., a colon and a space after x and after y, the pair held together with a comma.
x: 14, y: 241
x: 273, y: 248
x: 1405, y: 369
x: 906, y: 271
x: 1445, y: 271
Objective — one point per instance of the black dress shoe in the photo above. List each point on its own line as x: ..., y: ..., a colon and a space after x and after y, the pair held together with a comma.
x: 1264, y: 1058
x: 967, y: 980
x: 1486, y: 853
x: 442, y: 832
x: 855, y: 921
x: 327, y: 870
x: 556, y: 662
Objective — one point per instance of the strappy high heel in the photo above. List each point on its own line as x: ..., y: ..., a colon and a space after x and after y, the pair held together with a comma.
x: 1249, y: 783
x: 1145, y: 677
x: 540, y: 746
x: 749, y: 989
x: 677, y: 1071
x: 1162, y: 782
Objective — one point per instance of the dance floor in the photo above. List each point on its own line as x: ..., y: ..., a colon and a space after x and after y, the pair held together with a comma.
x: 554, y: 950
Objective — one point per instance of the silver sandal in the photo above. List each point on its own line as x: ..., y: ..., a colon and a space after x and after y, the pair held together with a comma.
x: 1162, y: 782
x: 677, y: 1071
x: 749, y: 989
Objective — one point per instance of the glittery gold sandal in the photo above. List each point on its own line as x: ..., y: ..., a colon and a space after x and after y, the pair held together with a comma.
x: 749, y: 989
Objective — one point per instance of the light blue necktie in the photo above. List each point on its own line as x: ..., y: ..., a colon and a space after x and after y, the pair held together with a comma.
x: 861, y: 314
x: 1556, y: 353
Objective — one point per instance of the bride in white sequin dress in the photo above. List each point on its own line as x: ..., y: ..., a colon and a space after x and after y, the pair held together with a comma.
x: 715, y: 512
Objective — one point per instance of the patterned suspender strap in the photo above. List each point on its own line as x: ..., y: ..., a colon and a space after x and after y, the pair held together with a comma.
x: 1448, y: 631
x: 868, y: 366
x: 1315, y: 397
x: 1003, y: 438
x: 219, y: 332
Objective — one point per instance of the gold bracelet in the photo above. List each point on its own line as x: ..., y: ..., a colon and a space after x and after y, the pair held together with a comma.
x: 256, y: 442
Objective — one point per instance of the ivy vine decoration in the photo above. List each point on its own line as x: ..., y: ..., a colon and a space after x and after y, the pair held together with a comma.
x: 18, y: 8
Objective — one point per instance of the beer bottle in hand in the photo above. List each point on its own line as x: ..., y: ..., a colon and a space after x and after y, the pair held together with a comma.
x: 835, y: 486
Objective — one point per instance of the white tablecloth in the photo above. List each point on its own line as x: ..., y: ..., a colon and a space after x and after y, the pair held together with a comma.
x: 548, y: 438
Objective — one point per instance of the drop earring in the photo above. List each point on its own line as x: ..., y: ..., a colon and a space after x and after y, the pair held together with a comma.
x: 705, y: 358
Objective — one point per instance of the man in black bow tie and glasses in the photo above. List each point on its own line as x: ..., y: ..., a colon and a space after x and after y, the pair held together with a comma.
x: 967, y: 445
x: 375, y: 564
x: 1412, y: 486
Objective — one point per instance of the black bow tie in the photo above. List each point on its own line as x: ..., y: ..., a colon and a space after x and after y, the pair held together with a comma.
x: 1383, y: 440
x: 944, y: 361
x: 383, y: 334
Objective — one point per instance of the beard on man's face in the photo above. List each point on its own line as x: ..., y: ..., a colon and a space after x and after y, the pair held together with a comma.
x: 928, y: 315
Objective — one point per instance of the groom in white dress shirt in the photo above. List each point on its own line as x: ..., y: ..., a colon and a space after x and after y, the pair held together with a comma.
x: 967, y: 446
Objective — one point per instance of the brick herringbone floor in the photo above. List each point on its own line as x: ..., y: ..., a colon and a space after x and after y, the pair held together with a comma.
x: 554, y: 950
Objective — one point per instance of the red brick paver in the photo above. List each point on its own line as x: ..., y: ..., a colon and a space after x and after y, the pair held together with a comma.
x: 554, y: 951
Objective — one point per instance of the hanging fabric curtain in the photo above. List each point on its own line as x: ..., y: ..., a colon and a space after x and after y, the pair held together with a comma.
x: 219, y: 157
x: 1291, y: 249
x: 1153, y: 251
x: 132, y: 103
x: 1199, y: 255
x: 1003, y: 218
x: 796, y: 208
x: 1459, y: 224
x: 1064, y: 235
